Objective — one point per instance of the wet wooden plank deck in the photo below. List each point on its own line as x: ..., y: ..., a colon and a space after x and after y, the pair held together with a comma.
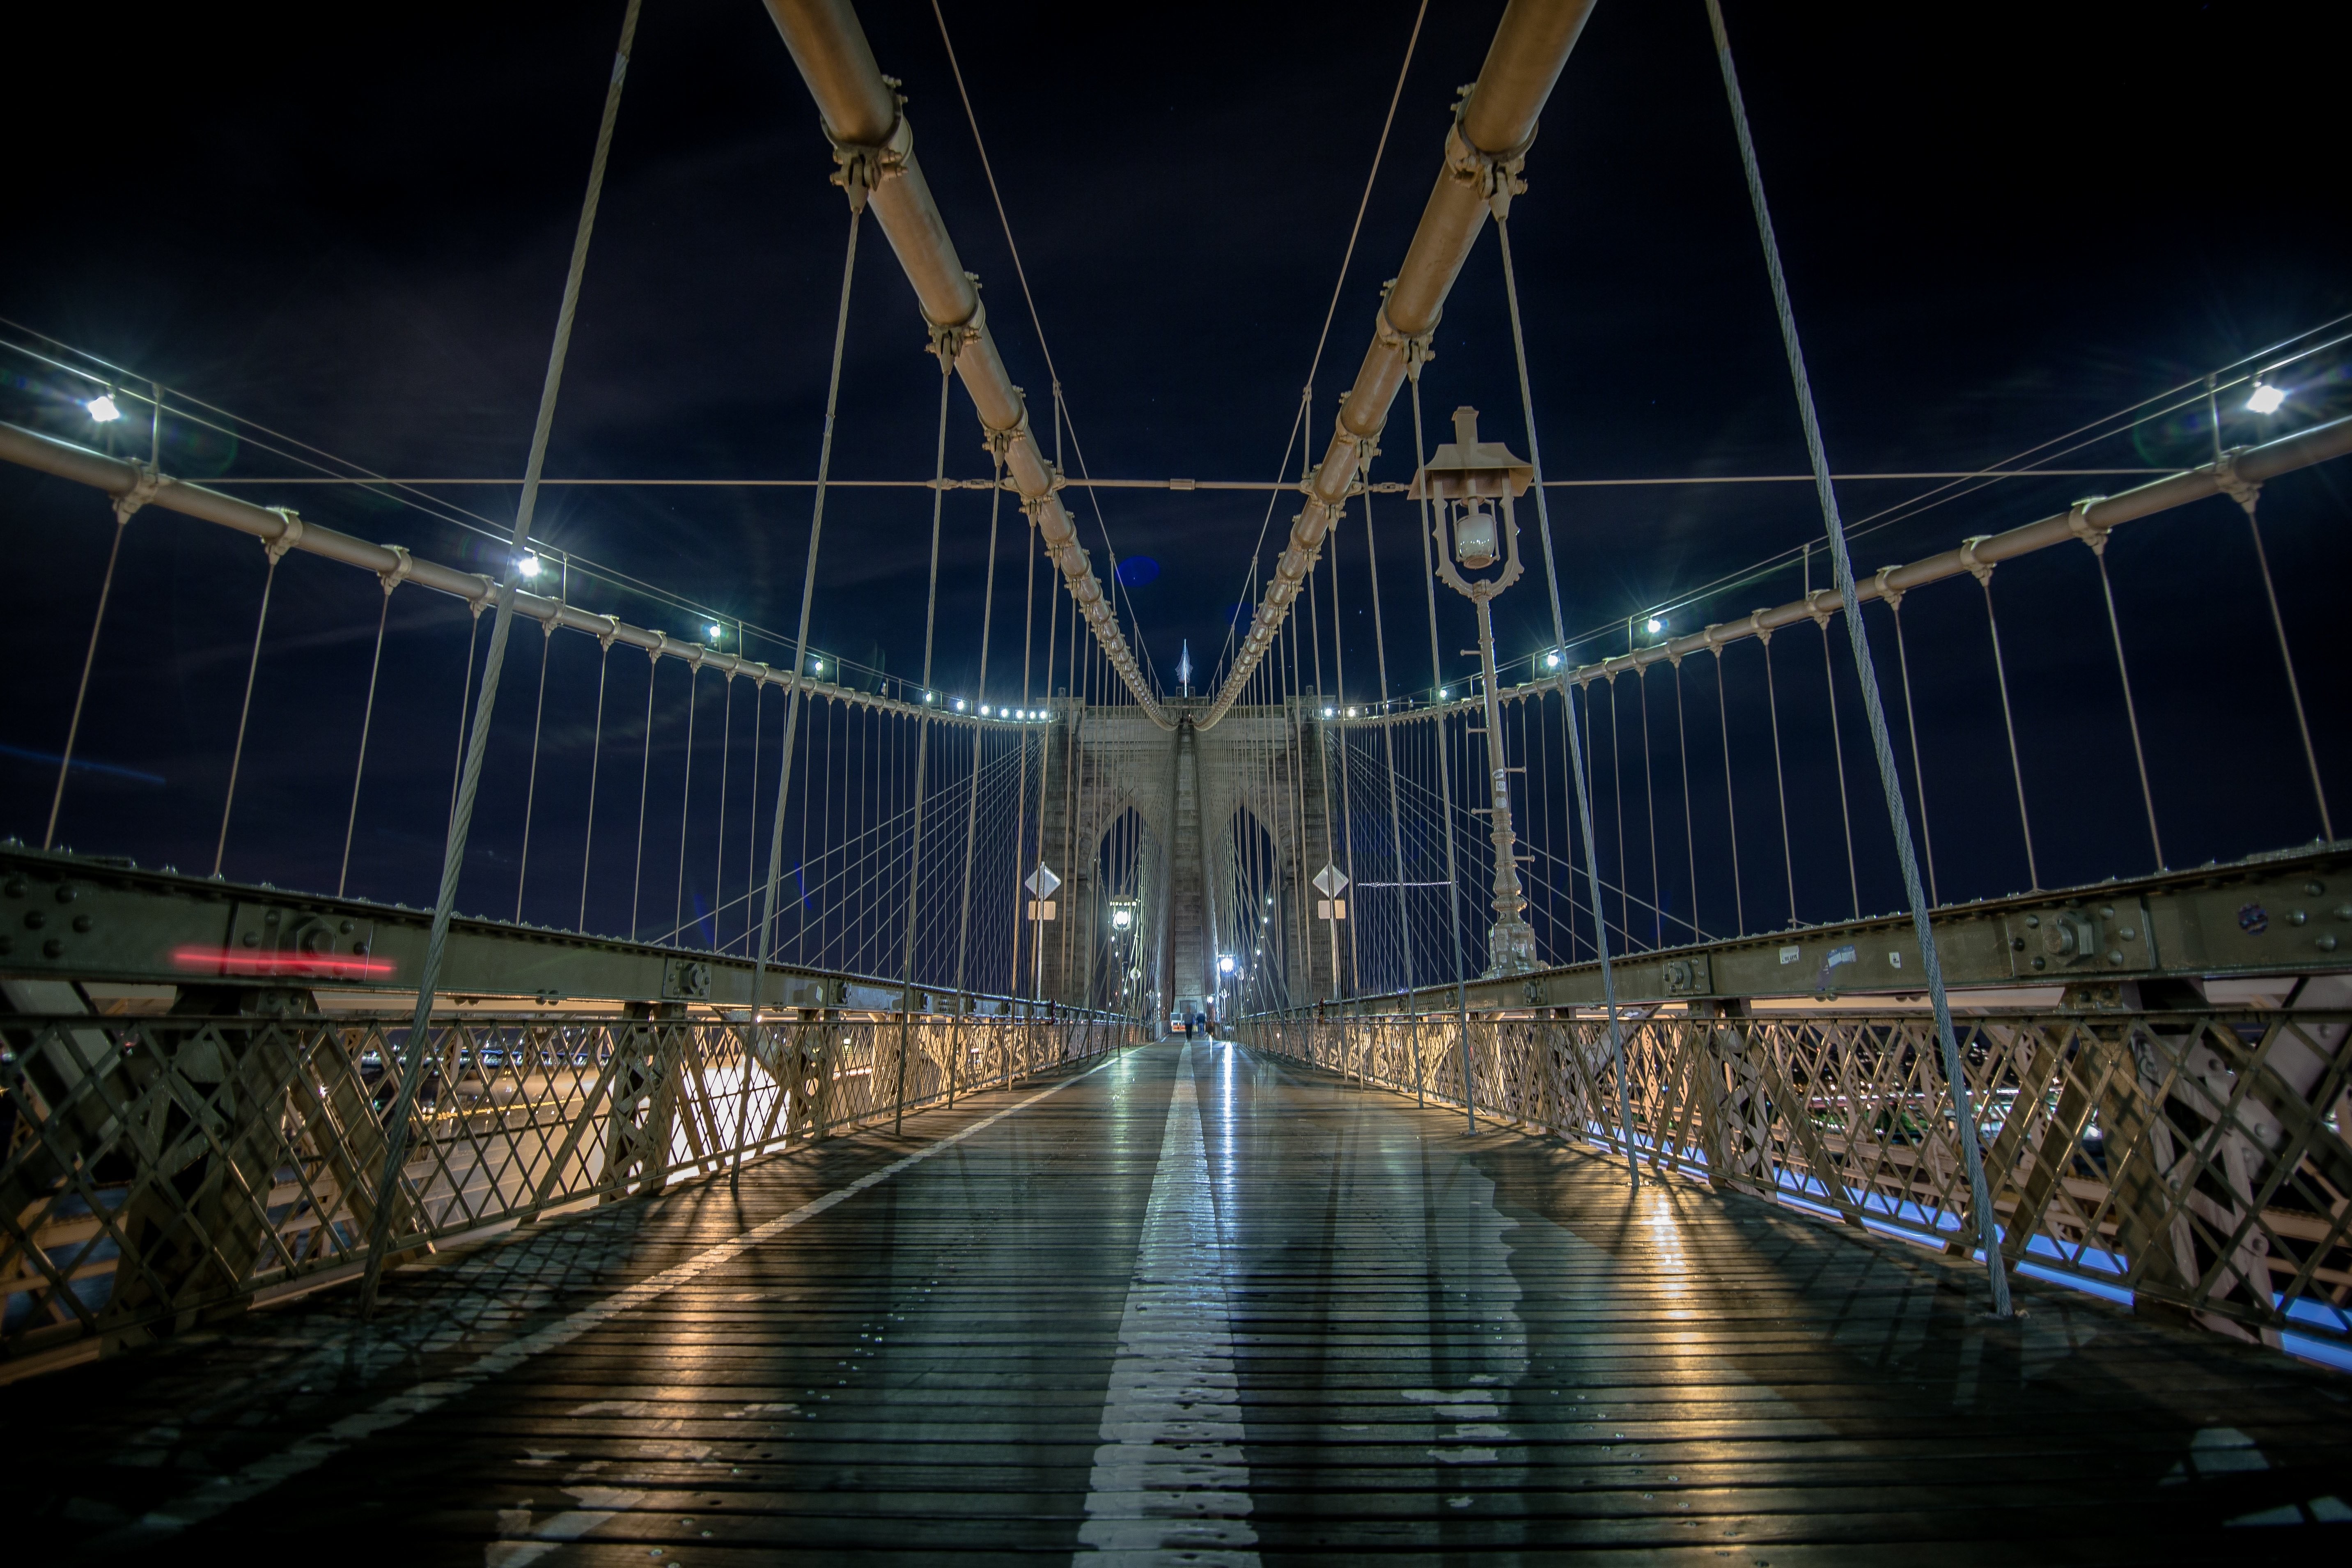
x: 1374, y: 1336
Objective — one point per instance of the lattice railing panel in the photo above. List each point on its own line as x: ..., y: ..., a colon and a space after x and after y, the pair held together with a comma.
x: 157, y: 1170
x: 2197, y: 1160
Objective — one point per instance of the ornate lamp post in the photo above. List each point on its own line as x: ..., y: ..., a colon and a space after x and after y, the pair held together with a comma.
x: 1465, y: 478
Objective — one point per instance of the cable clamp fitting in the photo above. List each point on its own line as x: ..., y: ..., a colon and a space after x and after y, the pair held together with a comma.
x: 2079, y: 524
x: 1493, y: 175
x: 402, y: 564
x: 948, y: 339
x: 2245, y: 492
x: 288, y: 537
x: 611, y: 630
x: 1887, y: 591
x: 144, y: 482
x: 1417, y: 348
x: 1980, y: 570
x: 859, y: 169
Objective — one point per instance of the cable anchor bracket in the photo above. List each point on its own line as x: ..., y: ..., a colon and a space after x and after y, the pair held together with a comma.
x: 288, y: 537
x: 860, y: 169
x: 1495, y: 176
x: 146, y: 481
x: 402, y: 564
x: 2079, y: 524
x: 1416, y: 348
x: 2245, y: 492
x: 949, y: 338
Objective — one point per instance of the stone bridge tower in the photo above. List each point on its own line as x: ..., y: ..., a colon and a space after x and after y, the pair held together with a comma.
x: 1200, y: 823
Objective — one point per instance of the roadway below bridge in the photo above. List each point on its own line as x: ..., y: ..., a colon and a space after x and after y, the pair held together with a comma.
x: 1189, y: 1304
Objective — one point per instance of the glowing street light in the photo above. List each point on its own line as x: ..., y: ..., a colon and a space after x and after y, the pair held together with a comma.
x: 1330, y: 712
x: 2264, y: 399
x: 528, y: 566
x: 816, y: 665
x: 1443, y: 694
x: 1225, y: 964
x: 1351, y: 712
x: 958, y: 705
x: 1655, y: 624
x: 103, y: 410
x: 1551, y: 659
x: 716, y: 632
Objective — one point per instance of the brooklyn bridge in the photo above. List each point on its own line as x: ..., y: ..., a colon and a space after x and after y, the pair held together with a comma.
x: 1746, y: 1052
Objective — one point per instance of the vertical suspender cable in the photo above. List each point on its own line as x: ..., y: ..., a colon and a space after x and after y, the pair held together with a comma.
x: 1988, y: 1226
x: 1396, y: 828
x: 645, y: 788
x: 979, y: 750
x: 2247, y: 494
x: 945, y: 348
x: 1567, y: 694
x: 1044, y: 777
x: 1347, y: 793
x: 531, y: 790
x: 454, y: 859
x: 123, y: 507
x: 1021, y: 772
x: 1780, y: 780
x: 1690, y: 833
x: 2098, y: 543
x: 474, y: 608
x: 367, y: 723
x: 1894, y: 598
x: 1837, y: 753
x: 595, y: 762
x: 1650, y: 815
x: 718, y: 840
x: 277, y: 548
x: 1617, y: 800
x: 1730, y: 803
x: 1322, y: 759
x: 1445, y: 769
x: 799, y: 639
x: 685, y: 807
x: 1983, y: 571
x: 751, y: 789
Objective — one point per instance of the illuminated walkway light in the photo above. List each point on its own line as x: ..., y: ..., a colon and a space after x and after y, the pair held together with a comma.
x: 2265, y: 399
x: 103, y: 410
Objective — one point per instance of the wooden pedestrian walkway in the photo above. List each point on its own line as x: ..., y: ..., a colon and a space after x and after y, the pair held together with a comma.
x: 1188, y: 1305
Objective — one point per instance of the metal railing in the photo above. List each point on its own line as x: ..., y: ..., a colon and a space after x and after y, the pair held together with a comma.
x: 155, y: 1171
x: 2190, y: 1161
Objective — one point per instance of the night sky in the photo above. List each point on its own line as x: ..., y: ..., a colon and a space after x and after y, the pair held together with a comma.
x: 2000, y: 223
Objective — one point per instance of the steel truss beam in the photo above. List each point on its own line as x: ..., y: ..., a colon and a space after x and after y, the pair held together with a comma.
x: 87, y: 919
x: 2283, y: 913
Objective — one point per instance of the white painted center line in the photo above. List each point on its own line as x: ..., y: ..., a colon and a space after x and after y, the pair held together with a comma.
x: 1171, y: 1480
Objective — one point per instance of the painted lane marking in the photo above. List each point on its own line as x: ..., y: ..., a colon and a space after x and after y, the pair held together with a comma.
x: 1171, y: 1481
x: 225, y: 1492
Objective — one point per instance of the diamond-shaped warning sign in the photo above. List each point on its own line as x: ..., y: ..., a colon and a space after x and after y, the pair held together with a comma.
x: 1041, y: 881
x: 1330, y: 881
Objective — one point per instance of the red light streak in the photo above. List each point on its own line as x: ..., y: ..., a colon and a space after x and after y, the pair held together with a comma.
x: 230, y: 961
